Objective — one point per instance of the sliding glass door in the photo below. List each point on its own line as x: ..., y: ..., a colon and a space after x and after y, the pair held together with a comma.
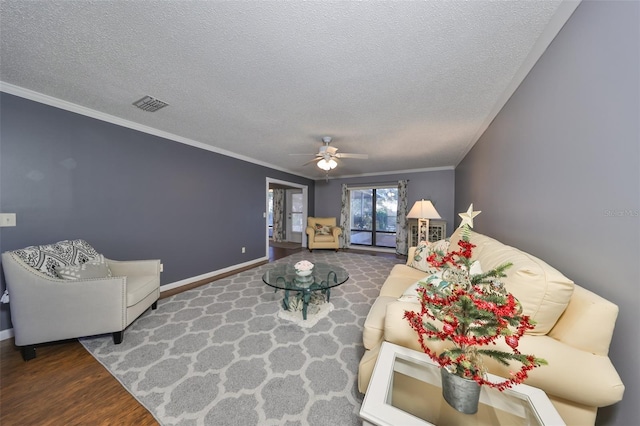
x: 373, y: 216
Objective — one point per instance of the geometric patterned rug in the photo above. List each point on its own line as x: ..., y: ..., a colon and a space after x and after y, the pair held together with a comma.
x: 220, y: 355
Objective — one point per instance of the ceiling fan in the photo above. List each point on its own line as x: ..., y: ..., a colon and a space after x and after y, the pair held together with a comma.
x: 327, y: 156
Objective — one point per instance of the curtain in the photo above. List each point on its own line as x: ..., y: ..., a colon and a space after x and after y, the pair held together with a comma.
x: 401, y: 219
x: 278, y: 215
x: 345, y: 218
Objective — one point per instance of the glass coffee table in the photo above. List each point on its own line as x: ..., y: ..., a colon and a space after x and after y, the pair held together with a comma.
x: 322, y: 279
x: 405, y: 389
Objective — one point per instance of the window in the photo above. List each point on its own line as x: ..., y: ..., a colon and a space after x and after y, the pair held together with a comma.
x: 373, y: 216
x: 297, y: 224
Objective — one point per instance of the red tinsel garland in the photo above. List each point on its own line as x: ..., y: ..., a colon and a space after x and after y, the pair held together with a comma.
x: 502, y: 314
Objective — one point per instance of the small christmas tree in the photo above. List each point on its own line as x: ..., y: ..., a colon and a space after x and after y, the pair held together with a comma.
x: 470, y: 311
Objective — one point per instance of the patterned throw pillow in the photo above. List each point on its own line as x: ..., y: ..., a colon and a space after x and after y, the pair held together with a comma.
x: 47, y: 257
x: 424, y: 250
x: 420, y: 256
x: 411, y: 293
x: 97, y: 268
x: 323, y: 229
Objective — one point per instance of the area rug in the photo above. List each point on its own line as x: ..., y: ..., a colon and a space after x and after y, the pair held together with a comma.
x: 220, y: 354
x: 314, y: 314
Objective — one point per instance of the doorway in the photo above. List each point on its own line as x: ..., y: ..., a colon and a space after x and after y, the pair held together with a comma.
x: 292, y: 200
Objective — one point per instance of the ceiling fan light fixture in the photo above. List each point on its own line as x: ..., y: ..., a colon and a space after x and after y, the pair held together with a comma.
x: 327, y: 165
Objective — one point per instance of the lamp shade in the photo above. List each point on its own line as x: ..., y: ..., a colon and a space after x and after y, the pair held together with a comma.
x: 423, y: 209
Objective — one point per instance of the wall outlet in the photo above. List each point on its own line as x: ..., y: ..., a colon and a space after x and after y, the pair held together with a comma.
x: 7, y: 219
x: 244, y: 249
x: 161, y: 267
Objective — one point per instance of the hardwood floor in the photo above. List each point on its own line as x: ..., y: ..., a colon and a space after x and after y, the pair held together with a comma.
x: 276, y: 253
x: 65, y: 385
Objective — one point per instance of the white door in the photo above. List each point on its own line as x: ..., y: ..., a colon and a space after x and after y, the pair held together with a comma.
x: 295, y: 215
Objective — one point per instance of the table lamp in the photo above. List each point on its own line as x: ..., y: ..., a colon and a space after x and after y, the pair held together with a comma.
x: 423, y: 210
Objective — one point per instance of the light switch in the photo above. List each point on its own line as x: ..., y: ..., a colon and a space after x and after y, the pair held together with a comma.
x: 7, y: 219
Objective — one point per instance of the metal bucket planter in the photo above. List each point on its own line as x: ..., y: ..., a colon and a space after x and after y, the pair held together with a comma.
x: 462, y: 394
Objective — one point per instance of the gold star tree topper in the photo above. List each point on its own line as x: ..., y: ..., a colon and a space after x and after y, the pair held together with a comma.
x: 467, y: 218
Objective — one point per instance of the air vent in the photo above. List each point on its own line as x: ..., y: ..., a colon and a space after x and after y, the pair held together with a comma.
x: 150, y: 104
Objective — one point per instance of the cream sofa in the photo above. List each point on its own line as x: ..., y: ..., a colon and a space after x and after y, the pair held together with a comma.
x: 573, y: 331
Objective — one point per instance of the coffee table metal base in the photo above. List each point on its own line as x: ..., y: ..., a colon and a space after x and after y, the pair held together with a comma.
x: 305, y: 296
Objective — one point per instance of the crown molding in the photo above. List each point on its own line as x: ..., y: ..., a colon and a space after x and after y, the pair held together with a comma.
x: 88, y: 112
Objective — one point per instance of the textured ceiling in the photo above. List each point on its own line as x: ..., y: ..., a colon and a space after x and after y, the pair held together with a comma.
x: 412, y: 84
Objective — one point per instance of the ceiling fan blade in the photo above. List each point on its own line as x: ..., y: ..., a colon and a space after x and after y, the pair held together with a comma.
x: 347, y: 155
x: 306, y: 155
x: 311, y: 161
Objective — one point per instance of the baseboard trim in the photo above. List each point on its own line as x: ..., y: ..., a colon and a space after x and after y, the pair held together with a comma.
x: 6, y: 334
x: 211, y: 276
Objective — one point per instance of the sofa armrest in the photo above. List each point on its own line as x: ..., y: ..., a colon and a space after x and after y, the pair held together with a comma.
x: 336, y: 231
x: 587, y: 323
x: 572, y: 374
x: 134, y: 267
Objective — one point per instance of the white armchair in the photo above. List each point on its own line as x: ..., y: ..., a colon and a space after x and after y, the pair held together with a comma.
x: 46, y: 308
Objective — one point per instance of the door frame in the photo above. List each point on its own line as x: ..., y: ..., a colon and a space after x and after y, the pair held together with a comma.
x: 305, y: 208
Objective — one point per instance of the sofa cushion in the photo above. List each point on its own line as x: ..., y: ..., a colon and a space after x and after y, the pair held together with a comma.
x: 541, y: 289
x: 323, y: 238
x: 139, y: 287
x: 400, y: 278
x: 46, y: 258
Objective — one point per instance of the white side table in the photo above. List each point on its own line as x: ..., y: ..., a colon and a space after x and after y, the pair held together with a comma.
x: 405, y: 389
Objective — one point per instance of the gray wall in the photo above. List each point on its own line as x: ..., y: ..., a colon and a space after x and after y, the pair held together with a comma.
x: 437, y: 186
x: 130, y: 194
x: 556, y: 174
